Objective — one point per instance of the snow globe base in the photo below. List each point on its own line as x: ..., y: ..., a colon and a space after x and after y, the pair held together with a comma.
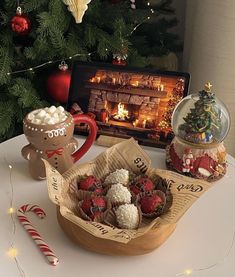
x: 207, y: 162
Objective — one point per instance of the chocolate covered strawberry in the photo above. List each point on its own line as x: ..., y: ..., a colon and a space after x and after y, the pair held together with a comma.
x: 94, y: 206
x: 141, y: 184
x: 151, y: 204
x: 90, y: 183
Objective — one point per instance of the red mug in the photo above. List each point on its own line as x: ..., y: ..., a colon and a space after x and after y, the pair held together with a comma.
x: 55, y: 143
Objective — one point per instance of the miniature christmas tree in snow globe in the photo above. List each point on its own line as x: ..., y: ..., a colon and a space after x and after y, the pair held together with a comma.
x: 200, y: 122
x: 203, y: 122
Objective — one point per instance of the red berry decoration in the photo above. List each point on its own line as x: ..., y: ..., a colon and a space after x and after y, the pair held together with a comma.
x: 20, y: 23
x: 58, y: 83
x: 90, y: 183
x: 142, y: 184
x: 151, y: 204
x: 94, y: 206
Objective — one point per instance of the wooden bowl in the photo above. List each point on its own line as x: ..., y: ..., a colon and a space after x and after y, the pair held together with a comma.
x: 138, y: 246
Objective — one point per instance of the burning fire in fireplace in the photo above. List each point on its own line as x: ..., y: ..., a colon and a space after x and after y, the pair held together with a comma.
x: 122, y: 113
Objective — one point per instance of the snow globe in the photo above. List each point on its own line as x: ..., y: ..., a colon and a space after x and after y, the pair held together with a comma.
x: 200, y: 123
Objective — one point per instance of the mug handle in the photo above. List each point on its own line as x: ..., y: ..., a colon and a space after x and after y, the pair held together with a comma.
x: 82, y: 118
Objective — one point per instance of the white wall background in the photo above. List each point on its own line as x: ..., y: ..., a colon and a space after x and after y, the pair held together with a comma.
x: 209, y: 51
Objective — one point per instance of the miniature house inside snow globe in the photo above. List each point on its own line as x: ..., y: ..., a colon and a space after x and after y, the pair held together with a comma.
x: 200, y: 123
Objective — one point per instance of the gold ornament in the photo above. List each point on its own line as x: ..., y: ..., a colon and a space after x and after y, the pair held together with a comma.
x: 208, y: 87
x: 77, y: 8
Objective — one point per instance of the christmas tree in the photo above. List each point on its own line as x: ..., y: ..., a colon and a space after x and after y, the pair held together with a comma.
x: 44, y: 33
x: 154, y: 37
x: 202, y: 123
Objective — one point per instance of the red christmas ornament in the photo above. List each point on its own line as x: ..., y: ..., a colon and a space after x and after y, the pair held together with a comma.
x: 119, y: 59
x: 20, y: 23
x: 119, y: 62
x: 58, y: 84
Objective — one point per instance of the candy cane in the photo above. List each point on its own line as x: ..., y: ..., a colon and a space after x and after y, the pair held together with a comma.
x: 48, y: 253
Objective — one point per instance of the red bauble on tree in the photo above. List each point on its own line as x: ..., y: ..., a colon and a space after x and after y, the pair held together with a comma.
x: 58, y: 83
x: 119, y: 59
x: 20, y: 23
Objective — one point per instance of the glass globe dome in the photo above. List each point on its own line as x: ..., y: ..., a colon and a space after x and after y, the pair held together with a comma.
x: 201, y: 118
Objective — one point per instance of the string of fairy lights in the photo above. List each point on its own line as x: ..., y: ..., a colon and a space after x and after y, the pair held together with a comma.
x: 144, y: 20
x: 12, y: 251
x: 39, y: 66
x: 31, y: 69
x: 190, y: 271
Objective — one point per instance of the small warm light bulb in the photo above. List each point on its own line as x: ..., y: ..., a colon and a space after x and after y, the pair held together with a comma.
x: 148, y: 17
x: 188, y: 272
x: 11, y: 210
x: 8, y: 73
x: 10, y: 166
x: 12, y: 252
x: 30, y: 69
x: 70, y: 58
x: 148, y: 4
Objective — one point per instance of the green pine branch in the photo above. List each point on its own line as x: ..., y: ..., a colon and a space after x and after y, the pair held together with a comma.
x: 4, y: 18
x: 32, y: 5
x: 5, y: 64
x: 90, y: 37
x: 25, y: 93
x: 10, y: 5
x: 6, y: 116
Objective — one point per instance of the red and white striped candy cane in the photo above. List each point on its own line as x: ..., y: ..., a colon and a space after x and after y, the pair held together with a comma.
x: 48, y: 253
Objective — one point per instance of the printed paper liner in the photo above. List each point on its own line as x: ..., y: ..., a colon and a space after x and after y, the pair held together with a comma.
x: 131, y: 156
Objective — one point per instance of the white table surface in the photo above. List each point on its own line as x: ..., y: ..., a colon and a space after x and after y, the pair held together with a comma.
x: 201, y: 238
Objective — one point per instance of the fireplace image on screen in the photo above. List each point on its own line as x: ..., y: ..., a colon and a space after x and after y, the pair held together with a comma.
x: 135, y: 104
x: 126, y: 103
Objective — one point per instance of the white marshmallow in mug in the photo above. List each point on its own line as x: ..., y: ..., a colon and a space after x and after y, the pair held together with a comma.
x: 52, y: 109
x: 46, y: 118
x: 56, y: 115
x: 51, y: 121
x: 60, y: 109
x: 31, y: 116
x: 51, y: 115
x: 41, y: 114
x: 36, y: 121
